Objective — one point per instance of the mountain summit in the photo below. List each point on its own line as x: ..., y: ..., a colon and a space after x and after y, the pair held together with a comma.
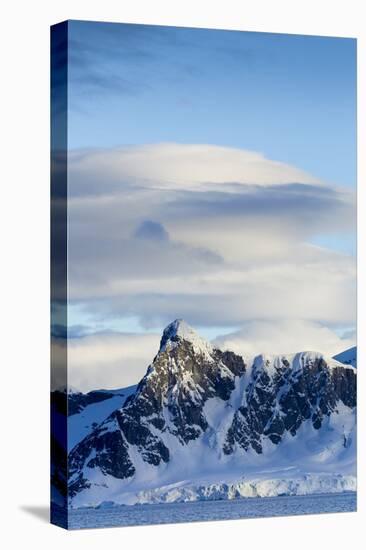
x: 179, y: 330
x: 203, y: 416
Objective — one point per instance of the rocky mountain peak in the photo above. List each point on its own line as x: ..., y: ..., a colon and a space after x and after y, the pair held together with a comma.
x: 178, y: 331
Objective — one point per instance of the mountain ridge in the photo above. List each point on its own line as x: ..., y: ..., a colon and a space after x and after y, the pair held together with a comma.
x: 197, y: 403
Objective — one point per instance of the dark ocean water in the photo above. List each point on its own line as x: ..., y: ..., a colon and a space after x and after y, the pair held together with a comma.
x: 147, y: 514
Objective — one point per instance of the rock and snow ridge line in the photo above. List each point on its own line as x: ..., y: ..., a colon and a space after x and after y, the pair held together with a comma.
x: 180, y: 330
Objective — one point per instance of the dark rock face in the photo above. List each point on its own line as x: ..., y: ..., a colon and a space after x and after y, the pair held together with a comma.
x: 58, y: 470
x: 59, y: 402
x: 277, y: 398
x: 179, y: 381
x: 281, y: 402
x: 107, y: 449
x: 59, y: 458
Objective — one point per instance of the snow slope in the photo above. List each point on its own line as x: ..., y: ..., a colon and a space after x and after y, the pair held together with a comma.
x: 82, y: 423
x: 313, y: 461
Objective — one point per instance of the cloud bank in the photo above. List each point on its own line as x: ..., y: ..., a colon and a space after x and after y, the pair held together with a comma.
x: 104, y: 360
x: 287, y: 336
x: 197, y: 167
x: 114, y: 360
x: 221, y: 237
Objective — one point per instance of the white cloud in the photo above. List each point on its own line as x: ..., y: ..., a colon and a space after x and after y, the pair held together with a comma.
x: 308, y: 283
x: 180, y: 166
x: 285, y: 336
x: 215, y: 235
x: 116, y: 360
x: 109, y: 360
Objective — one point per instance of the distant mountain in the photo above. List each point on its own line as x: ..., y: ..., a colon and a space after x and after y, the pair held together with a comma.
x: 348, y: 357
x: 86, y: 410
x: 78, y: 401
x: 204, y: 423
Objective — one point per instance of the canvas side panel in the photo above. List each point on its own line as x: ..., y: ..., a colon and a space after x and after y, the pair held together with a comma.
x: 59, y: 60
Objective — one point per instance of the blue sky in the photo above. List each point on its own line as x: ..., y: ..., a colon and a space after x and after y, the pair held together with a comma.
x: 289, y: 97
x: 212, y: 177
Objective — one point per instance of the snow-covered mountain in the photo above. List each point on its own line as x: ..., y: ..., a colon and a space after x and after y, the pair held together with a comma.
x: 86, y: 411
x: 204, y: 423
x: 348, y: 357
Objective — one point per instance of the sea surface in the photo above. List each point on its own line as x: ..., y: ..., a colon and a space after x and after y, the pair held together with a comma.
x: 147, y: 514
